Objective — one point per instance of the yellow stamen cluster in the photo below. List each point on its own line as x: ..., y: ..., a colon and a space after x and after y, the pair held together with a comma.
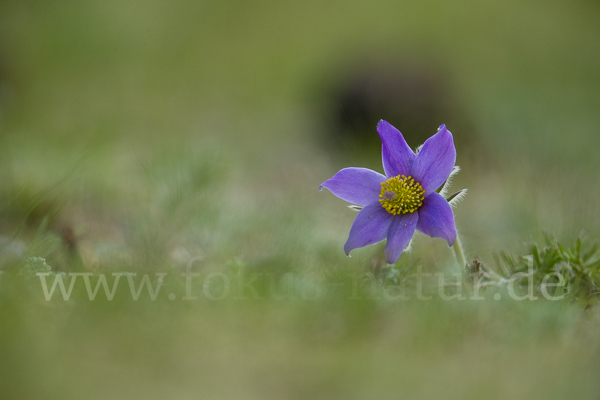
x: 401, y: 194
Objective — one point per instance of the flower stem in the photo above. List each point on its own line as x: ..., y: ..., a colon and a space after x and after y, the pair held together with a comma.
x: 458, y: 252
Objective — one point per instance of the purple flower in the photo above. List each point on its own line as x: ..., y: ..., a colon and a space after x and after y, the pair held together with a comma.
x: 403, y: 200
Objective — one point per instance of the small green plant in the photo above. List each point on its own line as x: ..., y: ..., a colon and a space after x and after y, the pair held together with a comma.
x: 35, y: 265
x: 577, y: 264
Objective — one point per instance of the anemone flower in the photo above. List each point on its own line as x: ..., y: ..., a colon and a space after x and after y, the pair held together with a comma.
x: 403, y: 200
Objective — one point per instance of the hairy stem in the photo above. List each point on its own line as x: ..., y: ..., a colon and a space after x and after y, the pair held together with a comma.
x: 458, y: 252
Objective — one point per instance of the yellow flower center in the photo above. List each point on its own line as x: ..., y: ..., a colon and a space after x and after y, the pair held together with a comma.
x: 401, y: 194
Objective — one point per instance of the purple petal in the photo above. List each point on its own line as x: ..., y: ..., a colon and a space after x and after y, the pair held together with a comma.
x: 397, y: 157
x: 401, y: 231
x: 435, y: 161
x: 359, y: 186
x: 436, y: 218
x: 370, y: 226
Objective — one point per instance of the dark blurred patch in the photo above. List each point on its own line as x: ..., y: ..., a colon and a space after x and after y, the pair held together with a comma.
x: 412, y: 100
x: 69, y: 238
x: 412, y: 96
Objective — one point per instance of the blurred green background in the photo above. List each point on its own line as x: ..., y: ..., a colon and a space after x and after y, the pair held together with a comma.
x: 135, y: 135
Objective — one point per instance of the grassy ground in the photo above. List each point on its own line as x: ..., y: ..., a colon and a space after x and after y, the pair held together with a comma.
x: 135, y: 136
